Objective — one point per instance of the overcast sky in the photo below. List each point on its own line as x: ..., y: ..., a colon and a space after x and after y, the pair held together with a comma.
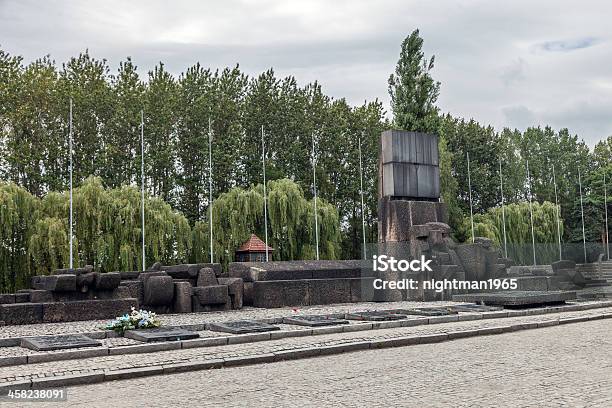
x: 505, y: 63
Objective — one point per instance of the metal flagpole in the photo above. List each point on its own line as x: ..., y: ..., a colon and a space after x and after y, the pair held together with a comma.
x: 142, y: 187
x: 362, y: 205
x: 263, y: 160
x: 470, y: 191
x: 210, y: 195
x: 531, y: 215
x: 314, y: 183
x: 501, y: 190
x: 558, y: 212
x: 606, y: 212
x: 70, y: 171
x: 582, y: 215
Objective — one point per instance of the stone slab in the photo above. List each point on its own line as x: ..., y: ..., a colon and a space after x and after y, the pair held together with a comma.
x: 516, y: 298
x: 242, y: 327
x: 86, y: 309
x: 21, y: 313
x: 47, y: 343
x: 375, y: 316
x: 314, y: 321
x: 161, y: 334
x: 472, y: 307
x: 427, y: 311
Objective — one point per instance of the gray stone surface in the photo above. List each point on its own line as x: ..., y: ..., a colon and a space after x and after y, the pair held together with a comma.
x: 314, y: 321
x: 21, y: 313
x: 242, y: 327
x: 428, y: 311
x: 7, y: 298
x: 182, y: 297
x: 211, y: 295
x: 472, y: 307
x: 57, y: 283
x: 235, y: 288
x: 190, y: 271
x: 158, y: 290
x: 517, y: 298
x: 161, y: 334
x: 375, y: 316
x: 281, y: 293
x: 295, y: 270
x: 47, y: 343
x: 86, y: 309
x: 408, y: 165
x: 397, y: 216
x: 206, y: 277
x: 41, y: 296
x: 107, y: 281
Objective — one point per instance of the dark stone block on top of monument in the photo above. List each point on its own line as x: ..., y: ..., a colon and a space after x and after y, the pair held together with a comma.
x: 206, y: 277
x: 158, y: 290
x: 375, y: 316
x: 314, y: 321
x: 517, y: 298
x: 107, y: 281
x: 409, y: 165
x: 295, y: 270
x: 190, y: 271
x: 47, y: 343
x: 242, y: 327
x: 160, y: 334
x: 56, y: 283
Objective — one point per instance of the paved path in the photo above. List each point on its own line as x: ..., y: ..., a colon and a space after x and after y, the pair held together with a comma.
x: 567, y: 365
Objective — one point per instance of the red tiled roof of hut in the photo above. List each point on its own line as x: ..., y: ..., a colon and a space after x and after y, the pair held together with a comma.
x: 254, y: 244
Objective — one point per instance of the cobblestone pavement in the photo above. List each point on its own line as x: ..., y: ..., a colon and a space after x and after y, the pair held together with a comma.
x: 561, y: 366
x: 118, y: 362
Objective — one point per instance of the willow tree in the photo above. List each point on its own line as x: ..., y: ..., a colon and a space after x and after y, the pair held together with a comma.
x: 240, y: 212
x: 518, y: 230
x: 18, y: 210
x: 107, y: 230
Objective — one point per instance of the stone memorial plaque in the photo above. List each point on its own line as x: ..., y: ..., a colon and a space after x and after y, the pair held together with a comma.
x: 473, y: 307
x: 517, y: 298
x: 314, y: 321
x: 428, y: 311
x: 161, y: 334
x: 375, y: 316
x: 242, y: 327
x: 47, y: 343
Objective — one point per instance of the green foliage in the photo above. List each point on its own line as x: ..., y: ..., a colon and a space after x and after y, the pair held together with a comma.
x: 518, y: 230
x: 240, y: 212
x: 34, y: 232
x: 412, y: 89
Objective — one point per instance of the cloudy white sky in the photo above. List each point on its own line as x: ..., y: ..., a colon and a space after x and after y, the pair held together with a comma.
x: 515, y: 64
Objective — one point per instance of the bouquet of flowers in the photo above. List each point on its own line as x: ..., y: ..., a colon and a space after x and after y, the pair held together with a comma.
x: 137, y: 319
